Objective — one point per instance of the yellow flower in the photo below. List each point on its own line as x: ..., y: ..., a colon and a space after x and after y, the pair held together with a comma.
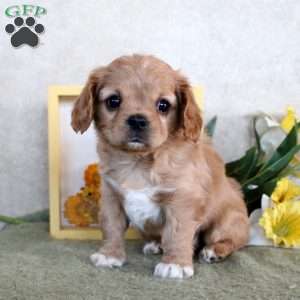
x: 282, y: 223
x: 288, y: 122
x: 285, y: 190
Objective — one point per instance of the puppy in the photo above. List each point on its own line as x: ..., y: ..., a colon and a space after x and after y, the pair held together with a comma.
x: 159, y: 170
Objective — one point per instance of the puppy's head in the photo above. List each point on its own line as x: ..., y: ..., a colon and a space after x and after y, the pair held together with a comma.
x: 137, y: 103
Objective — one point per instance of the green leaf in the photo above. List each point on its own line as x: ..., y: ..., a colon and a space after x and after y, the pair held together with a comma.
x: 11, y: 220
x: 273, y: 170
x: 288, y: 143
x: 250, y: 166
x: 256, y: 169
x: 261, y: 177
x: 269, y: 186
x: 238, y: 168
x: 39, y: 216
x: 211, y: 126
x: 252, y: 199
x: 257, y: 139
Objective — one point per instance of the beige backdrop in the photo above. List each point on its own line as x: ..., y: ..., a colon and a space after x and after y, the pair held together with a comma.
x: 246, y: 53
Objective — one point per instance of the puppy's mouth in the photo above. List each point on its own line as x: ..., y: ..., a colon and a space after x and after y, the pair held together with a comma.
x: 136, y: 143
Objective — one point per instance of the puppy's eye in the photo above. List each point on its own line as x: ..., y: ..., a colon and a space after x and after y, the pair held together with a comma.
x: 163, y: 105
x: 113, y: 102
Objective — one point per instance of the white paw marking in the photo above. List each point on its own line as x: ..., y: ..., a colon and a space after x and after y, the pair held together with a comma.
x: 173, y: 271
x: 152, y: 248
x: 209, y: 255
x: 100, y: 260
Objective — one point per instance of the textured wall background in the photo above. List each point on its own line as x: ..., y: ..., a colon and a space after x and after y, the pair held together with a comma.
x: 246, y: 53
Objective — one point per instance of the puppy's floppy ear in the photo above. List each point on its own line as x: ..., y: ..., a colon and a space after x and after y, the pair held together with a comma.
x: 83, y: 110
x: 190, y: 120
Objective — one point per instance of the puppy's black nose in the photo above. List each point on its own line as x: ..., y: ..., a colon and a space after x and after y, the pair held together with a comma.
x: 138, y: 122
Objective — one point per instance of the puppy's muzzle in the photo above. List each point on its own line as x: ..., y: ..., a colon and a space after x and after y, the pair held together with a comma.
x: 138, y: 123
x: 138, y: 126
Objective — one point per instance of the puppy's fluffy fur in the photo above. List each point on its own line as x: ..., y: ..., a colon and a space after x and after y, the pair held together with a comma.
x: 159, y: 169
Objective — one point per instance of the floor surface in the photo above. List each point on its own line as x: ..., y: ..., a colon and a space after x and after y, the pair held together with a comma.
x: 34, y: 266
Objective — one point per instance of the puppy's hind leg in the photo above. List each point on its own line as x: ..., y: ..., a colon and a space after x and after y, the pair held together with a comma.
x: 216, y: 252
x: 152, y: 247
x: 152, y: 240
x: 225, y: 237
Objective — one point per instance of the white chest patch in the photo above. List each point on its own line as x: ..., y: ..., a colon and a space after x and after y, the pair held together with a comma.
x: 139, y: 207
x: 139, y: 204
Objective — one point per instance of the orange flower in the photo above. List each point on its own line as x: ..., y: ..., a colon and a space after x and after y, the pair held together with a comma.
x: 81, y: 212
x: 91, y: 175
x: 91, y: 192
x: 82, y: 209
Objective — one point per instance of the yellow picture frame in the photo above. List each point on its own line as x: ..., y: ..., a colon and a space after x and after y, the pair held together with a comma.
x: 55, y: 93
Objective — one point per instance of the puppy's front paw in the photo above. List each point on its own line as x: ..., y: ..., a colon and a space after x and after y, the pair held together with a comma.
x: 152, y: 248
x: 100, y: 260
x: 209, y: 255
x: 173, y: 271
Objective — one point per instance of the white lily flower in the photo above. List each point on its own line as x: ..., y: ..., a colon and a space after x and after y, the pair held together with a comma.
x: 270, y: 133
x: 257, y: 234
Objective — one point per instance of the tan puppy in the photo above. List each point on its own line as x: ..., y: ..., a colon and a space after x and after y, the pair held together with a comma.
x: 159, y: 172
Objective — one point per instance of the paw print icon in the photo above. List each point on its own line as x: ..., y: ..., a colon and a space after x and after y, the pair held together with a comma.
x: 24, y: 32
